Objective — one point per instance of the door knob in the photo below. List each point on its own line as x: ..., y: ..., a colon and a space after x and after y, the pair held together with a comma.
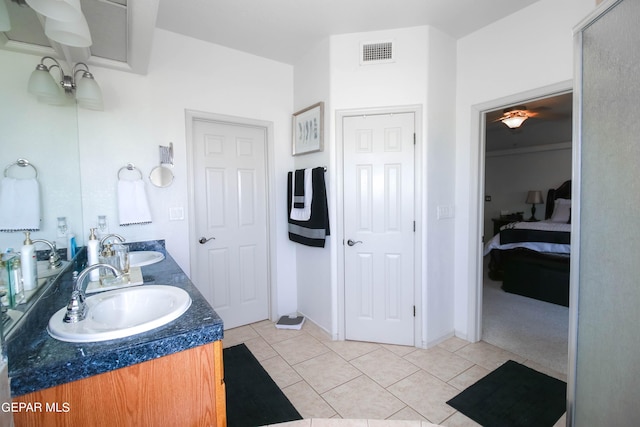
x: 204, y: 240
x: 352, y: 243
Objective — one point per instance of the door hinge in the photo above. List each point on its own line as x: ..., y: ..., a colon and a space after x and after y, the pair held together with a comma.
x: 414, y: 139
x: 414, y: 226
x: 414, y: 311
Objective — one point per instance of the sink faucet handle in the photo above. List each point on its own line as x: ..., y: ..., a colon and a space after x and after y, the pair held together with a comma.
x: 76, y: 308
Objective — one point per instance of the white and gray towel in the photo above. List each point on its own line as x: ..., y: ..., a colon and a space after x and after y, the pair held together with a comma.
x: 302, y: 213
x: 19, y: 204
x: 133, y: 207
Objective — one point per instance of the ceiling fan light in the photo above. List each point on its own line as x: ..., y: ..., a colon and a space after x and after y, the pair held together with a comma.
x: 71, y: 33
x: 514, y: 121
x: 61, y: 10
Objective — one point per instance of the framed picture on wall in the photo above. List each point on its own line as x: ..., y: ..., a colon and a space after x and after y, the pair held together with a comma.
x: 308, y: 130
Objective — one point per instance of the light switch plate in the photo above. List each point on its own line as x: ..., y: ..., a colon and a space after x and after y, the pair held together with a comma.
x: 176, y: 214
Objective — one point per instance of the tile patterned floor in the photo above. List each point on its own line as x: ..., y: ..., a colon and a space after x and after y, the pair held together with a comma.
x: 329, y: 380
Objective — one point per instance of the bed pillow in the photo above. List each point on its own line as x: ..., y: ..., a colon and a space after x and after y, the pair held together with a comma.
x: 561, y: 211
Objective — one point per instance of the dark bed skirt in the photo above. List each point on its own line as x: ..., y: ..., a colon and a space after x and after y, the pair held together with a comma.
x: 544, y: 277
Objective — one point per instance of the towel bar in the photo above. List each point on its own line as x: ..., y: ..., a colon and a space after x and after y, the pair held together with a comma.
x: 23, y: 163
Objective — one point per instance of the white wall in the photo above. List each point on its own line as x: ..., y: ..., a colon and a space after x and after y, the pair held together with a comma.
x: 509, y: 175
x: 143, y: 112
x: 315, y: 267
x: 423, y: 74
x: 529, y: 49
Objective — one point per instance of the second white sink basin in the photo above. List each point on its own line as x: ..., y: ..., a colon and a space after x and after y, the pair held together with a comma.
x: 142, y: 258
x: 122, y: 313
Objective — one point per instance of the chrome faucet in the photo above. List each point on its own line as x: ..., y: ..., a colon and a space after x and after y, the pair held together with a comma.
x: 54, y: 258
x: 77, y: 307
x: 109, y: 236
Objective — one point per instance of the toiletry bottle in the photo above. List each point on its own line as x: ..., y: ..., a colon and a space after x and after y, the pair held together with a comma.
x: 16, y: 292
x: 4, y: 282
x: 93, y: 254
x: 71, y: 246
x: 108, y: 256
x: 29, y: 264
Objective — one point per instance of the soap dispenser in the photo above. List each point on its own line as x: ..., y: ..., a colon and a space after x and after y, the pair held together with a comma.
x: 29, y: 264
x: 93, y: 252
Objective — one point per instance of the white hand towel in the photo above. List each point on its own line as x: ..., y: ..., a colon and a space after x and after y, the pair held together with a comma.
x: 19, y: 204
x: 302, y: 214
x: 133, y: 207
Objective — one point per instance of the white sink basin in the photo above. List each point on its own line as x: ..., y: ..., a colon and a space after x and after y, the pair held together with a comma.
x: 142, y: 258
x: 122, y: 313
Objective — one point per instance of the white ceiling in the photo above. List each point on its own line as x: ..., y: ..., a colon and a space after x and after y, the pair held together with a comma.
x: 282, y: 30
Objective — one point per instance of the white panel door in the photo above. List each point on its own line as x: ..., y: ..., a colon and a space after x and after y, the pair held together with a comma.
x: 379, y: 228
x: 231, y: 210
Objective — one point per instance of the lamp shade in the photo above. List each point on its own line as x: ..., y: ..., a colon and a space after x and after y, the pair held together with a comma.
x: 88, y: 93
x: 61, y: 10
x: 71, y: 33
x: 5, y: 24
x: 534, y: 197
x: 41, y: 83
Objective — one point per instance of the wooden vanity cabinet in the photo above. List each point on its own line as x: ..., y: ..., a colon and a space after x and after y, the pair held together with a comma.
x: 182, y: 389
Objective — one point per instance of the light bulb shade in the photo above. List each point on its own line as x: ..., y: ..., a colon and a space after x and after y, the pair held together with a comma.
x: 60, y: 99
x: 41, y: 83
x: 514, y: 121
x: 5, y: 24
x: 534, y: 197
x: 88, y: 93
x: 61, y: 10
x: 71, y: 33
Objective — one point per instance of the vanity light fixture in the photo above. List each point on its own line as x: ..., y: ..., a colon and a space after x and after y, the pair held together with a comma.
x: 64, y: 21
x: 86, y: 90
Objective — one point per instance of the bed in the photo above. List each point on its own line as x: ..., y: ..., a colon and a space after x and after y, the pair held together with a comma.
x: 532, y: 258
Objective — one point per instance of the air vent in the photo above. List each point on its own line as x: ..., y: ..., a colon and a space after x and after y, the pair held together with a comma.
x: 376, y: 52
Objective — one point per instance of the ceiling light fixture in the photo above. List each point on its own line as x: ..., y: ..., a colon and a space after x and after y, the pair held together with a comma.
x: 514, y: 117
x: 86, y: 90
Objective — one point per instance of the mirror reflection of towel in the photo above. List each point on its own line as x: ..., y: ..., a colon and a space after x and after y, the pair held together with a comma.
x: 133, y: 207
x: 19, y: 204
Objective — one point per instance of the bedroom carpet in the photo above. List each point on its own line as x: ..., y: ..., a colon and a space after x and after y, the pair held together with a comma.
x: 253, y: 398
x: 536, y: 330
x: 513, y: 396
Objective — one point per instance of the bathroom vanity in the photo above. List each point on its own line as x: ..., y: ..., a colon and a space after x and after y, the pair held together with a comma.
x: 172, y: 375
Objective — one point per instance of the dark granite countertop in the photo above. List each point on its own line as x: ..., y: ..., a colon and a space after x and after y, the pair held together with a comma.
x: 37, y: 361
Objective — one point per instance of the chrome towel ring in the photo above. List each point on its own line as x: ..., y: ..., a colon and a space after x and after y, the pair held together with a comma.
x: 130, y: 167
x: 23, y: 163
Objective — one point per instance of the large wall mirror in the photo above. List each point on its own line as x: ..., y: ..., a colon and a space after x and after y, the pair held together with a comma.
x: 46, y: 136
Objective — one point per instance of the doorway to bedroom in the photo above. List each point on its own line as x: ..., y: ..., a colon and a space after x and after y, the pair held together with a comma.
x: 525, y: 277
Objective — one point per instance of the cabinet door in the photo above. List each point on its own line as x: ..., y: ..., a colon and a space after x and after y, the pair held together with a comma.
x: 184, y: 388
